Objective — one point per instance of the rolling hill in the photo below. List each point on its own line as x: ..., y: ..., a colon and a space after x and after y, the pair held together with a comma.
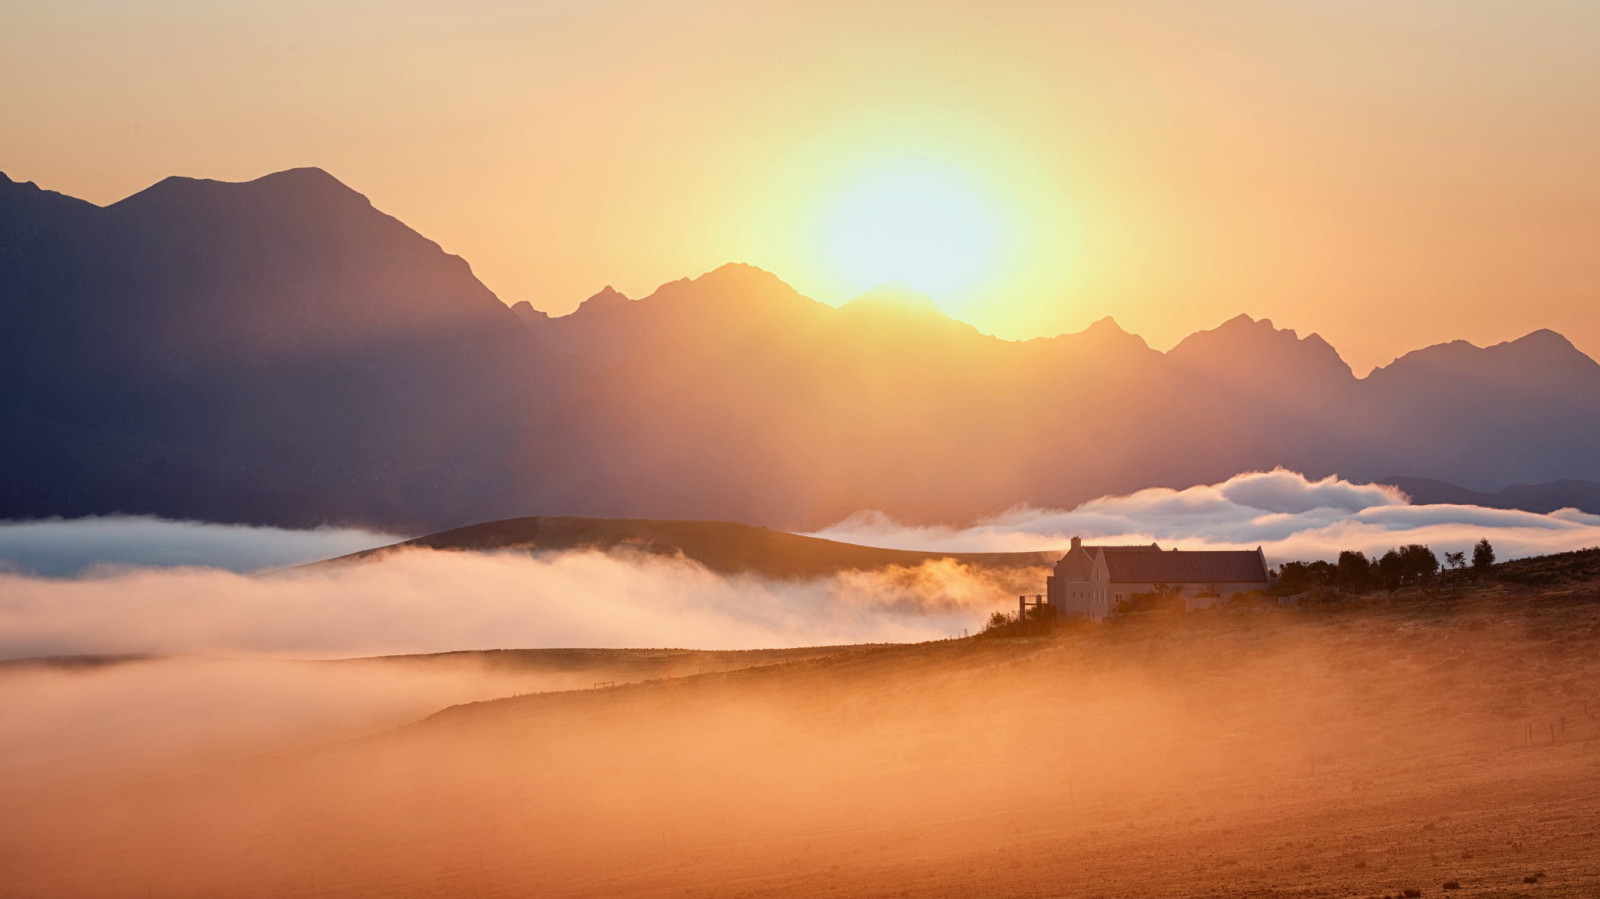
x: 1359, y: 750
x: 722, y: 546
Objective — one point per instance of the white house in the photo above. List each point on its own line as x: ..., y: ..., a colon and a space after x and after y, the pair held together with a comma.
x: 1090, y: 581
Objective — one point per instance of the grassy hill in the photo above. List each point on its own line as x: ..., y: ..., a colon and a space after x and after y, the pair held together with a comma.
x: 721, y: 546
x: 1362, y: 750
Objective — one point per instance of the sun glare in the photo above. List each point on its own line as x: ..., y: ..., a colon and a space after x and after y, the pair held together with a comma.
x: 927, y: 227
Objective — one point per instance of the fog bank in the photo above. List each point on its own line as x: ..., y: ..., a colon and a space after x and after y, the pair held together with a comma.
x: 1285, y: 513
x: 425, y: 601
x: 68, y: 547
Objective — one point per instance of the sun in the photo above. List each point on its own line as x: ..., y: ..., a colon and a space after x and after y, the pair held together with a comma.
x: 928, y: 226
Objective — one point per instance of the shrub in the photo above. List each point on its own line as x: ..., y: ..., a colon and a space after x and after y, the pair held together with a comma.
x: 1412, y: 894
x: 1452, y: 884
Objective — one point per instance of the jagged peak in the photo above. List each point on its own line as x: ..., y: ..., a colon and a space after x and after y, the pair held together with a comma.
x: 526, y: 309
x: 1243, y: 323
x: 1246, y: 335
x: 1106, y: 330
x: 1107, y: 325
x: 608, y: 295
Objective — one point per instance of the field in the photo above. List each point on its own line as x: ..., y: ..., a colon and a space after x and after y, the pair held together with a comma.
x: 1359, y: 749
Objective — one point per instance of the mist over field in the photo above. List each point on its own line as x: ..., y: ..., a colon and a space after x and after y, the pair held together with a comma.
x: 423, y: 601
x: 1285, y: 513
x: 118, y: 597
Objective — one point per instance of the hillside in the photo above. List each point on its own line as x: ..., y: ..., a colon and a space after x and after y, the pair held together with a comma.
x: 1353, y: 751
x: 721, y: 546
x: 1563, y: 494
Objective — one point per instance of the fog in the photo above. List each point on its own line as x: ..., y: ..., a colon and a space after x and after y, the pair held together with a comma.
x: 1285, y: 513
x: 426, y: 601
x: 1325, y: 751
x: 144, y: 715
x: 1261, y: 753
x: 68, y: 547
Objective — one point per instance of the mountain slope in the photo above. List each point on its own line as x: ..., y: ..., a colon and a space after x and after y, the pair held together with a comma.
x: 280, y: 351
x: 281, y: 327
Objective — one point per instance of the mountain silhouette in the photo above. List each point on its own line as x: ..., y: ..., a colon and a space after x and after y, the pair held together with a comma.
x: 276, y: 350
x: 280, y: 351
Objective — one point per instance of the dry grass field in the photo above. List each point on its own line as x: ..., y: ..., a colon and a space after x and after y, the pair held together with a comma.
x: 1364, y: 749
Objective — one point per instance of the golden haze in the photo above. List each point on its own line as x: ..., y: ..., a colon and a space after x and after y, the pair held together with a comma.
x: 1386, y: 174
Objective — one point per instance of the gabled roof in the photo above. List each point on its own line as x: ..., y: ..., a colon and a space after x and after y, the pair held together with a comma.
x: 1078, y: 563
x: 1141, y: 566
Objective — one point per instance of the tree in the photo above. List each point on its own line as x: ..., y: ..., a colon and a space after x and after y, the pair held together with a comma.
x: 1298, y: 577
x: 1354, y: 572
x: 1411, y: 564
x: 1456, y: 561
x: 1482, y: 556
x: 1421, y: 565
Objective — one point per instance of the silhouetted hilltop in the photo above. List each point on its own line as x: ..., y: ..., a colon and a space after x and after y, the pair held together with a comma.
x: 1544, y: 498
x: 721, y: 546
x: 281, y: 351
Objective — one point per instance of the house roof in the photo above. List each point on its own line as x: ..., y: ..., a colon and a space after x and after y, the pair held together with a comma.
x: 1141, y: 566
x: 1078, y: 563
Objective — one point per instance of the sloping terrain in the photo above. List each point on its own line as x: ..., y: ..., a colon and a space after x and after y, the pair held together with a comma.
x: 722, y: 546
x: 1356, y: 750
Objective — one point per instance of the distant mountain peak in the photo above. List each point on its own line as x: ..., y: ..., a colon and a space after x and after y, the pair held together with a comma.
x: 1244, y: 339
x: 743, y: 277
x: 298, y: 184
x: 896, y: 296
x: 1107, y: 325
x: 526, y: 312
x: 1535, y: 350
x: 1543, y: 339
x: 608, y: 296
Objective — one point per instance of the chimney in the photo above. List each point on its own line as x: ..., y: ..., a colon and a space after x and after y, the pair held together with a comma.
x: 1077, y: 543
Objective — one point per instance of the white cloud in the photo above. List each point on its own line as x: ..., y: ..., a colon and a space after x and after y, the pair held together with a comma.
x: 67, y: 547
x: 1285, y: 513
x: 425, y: 601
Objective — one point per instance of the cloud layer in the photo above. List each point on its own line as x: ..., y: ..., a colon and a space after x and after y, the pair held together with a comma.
x: 66, y: 548
x: 1288, y: 515
x: 425, y: 601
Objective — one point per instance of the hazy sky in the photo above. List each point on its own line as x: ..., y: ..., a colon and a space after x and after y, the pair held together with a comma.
x: 1388, y: 173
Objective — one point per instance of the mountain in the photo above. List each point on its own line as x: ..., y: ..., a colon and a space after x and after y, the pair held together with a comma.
x: 276, y: 351
x: 1524, y: 410
x: 1543, y: 498
x: 280, y: 351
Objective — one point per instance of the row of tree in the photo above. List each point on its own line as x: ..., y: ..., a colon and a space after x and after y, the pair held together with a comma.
x: 1412, y: 565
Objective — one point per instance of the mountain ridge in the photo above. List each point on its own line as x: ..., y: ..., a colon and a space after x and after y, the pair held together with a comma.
x: 282, y: 351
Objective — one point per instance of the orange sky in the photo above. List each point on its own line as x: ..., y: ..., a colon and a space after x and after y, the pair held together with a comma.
x: 1388, y: 174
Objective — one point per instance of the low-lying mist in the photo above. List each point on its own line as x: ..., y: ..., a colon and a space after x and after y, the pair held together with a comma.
x: 145, y: 714
x: 1266, y: 752
x: 58, y: 547
x: 1288, y: 515
x: 426, y: 601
